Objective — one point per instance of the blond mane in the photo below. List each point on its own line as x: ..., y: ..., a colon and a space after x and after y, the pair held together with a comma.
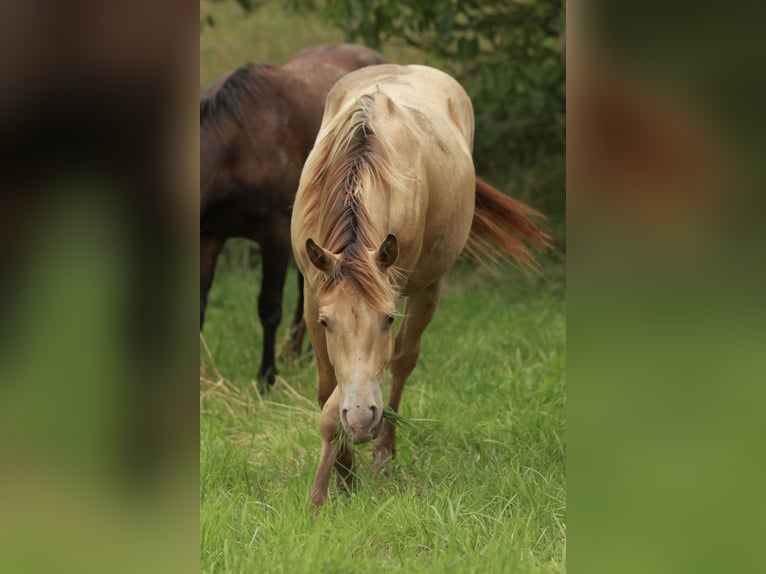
x: 350, y: 163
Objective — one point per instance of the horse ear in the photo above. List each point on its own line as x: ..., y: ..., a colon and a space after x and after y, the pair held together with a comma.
x: 387, y: 252
x: 321, y: 258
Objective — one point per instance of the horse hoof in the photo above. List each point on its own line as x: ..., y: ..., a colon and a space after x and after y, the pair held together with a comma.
x: 381, y: 461
x: 266, y: 381
x: 381, y: 466
x: 290, y: 352
x: 317, y: 500
x: 345, y: 485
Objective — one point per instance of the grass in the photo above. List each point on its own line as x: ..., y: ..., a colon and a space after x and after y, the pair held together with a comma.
x: 478, y: 484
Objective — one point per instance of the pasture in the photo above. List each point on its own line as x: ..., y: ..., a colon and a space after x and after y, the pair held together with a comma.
x: 478, y: 484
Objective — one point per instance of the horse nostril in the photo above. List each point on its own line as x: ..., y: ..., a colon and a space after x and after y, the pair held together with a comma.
x: 374, y: 412
x: 343, y: 414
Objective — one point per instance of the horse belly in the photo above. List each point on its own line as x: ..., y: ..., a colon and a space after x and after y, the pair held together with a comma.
x: 446, y: 226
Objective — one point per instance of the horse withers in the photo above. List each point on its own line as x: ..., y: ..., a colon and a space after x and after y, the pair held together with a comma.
x: 257, y: 125
x: 387, y: 200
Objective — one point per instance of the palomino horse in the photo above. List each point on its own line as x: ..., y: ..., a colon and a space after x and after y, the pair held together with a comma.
x: 386, y: 202
x: 257, y: 125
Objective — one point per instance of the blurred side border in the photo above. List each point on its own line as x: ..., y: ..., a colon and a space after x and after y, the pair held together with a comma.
x: 98, y: 352
x: 665, y: 282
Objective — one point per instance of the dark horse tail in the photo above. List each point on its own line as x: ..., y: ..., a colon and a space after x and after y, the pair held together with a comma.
x: 504, y: 227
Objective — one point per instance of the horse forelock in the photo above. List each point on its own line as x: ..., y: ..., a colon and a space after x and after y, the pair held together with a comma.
x: 351, y: 162
x: 357, y: 269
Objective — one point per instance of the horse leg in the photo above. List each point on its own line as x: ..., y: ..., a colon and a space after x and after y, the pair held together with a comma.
x: 274, y: 269
x: 298, y: 327
x: 209, y: 249
x: 333, y: 455
x: 418, y: 311
x: 344, y: 464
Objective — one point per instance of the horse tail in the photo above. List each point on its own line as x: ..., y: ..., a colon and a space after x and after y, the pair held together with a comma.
x: 504, y: 227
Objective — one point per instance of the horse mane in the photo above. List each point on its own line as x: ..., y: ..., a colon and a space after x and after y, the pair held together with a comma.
x: 350, y: 163
x: 243, y: 83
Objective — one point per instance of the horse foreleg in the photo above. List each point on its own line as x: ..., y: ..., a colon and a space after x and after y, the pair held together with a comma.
x: 298, y: 327
x: 209, y: 249
x: 334, y: 453
x: 274, y: 263
x: 418, y: 311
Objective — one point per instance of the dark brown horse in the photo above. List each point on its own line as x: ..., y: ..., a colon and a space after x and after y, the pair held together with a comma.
x: 257, y: 126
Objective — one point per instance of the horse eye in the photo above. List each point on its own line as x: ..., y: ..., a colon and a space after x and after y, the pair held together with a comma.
x: 323, y: 322
x: 389, y: 320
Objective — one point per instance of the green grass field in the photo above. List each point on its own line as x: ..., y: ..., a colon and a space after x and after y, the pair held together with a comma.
x: 478, y: 487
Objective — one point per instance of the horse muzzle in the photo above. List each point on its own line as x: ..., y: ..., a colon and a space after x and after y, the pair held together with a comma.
x: 361, y: 423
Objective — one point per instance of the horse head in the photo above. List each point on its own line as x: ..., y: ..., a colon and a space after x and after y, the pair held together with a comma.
x: 357, y: 308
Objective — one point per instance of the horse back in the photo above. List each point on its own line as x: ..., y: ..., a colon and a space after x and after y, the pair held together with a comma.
x: 344, y: 57
x: 431, y: 91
